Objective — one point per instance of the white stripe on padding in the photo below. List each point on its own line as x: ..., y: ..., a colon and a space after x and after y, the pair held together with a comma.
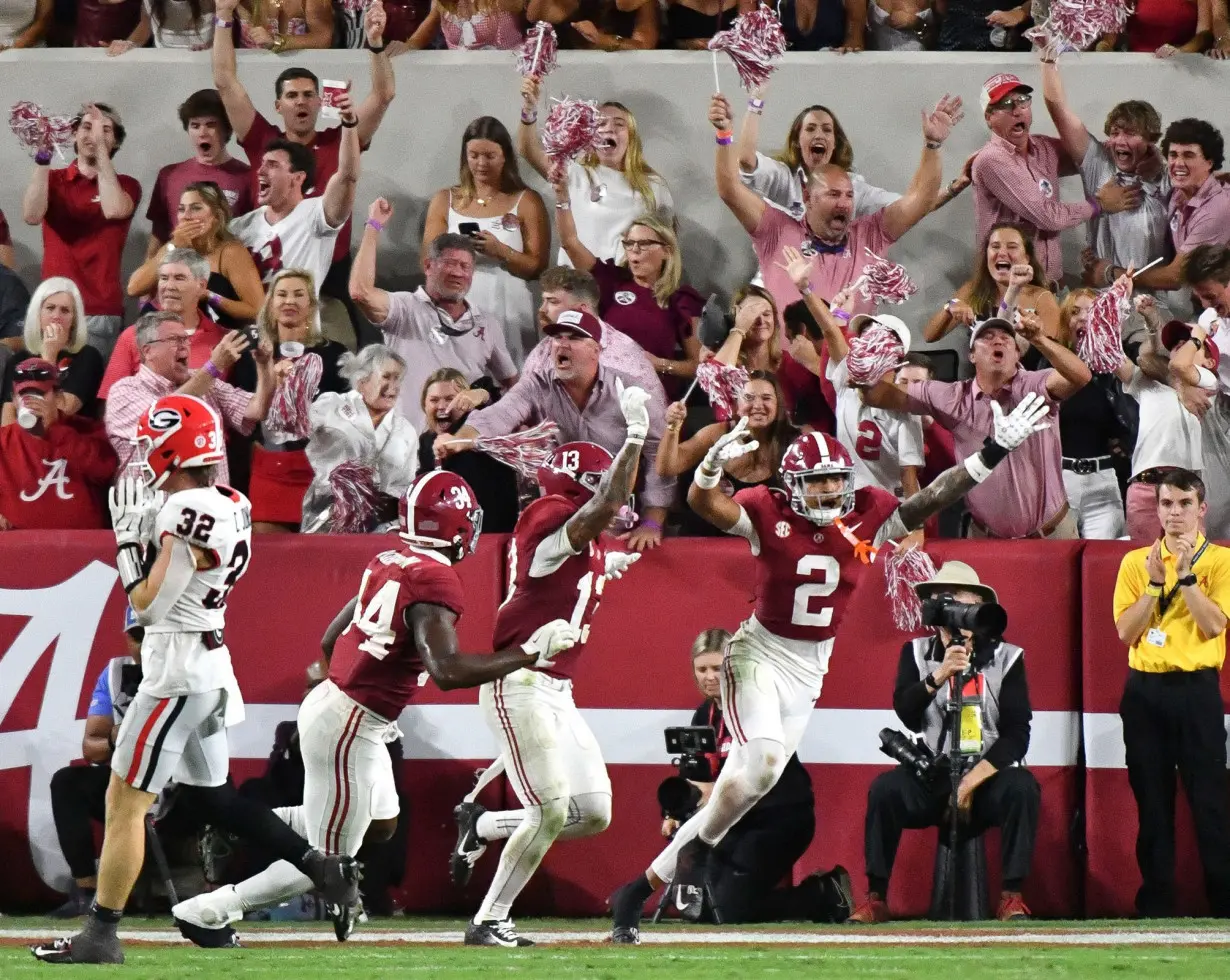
x: 633, y: 736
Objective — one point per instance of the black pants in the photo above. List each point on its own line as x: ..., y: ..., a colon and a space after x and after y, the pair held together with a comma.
x: 753, y: 858
x: 79, y: 797
x: 897, y: 801
x: 1175, y: 721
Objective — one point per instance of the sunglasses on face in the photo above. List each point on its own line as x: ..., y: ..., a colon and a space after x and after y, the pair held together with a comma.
x: 1014, y: 102
x: 33, y: 374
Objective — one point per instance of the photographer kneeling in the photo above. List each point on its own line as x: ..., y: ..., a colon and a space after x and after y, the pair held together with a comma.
x: 742, y: 876
x: 994, y: 736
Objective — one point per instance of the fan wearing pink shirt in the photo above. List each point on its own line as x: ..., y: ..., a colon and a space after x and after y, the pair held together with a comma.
x: 642, y: 295
x: 828, y: 233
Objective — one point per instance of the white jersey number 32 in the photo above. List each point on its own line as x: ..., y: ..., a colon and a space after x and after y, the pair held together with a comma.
x: 808, y: 565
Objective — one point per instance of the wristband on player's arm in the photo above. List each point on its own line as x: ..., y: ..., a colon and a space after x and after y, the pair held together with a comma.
x: 707, y: 476
x: 981, y: 463
x: 130, y: 561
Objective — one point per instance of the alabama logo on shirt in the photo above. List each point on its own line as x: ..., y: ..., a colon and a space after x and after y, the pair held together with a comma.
x: 625, y: 298
x: 269, y: 258
x: 1046, y: 187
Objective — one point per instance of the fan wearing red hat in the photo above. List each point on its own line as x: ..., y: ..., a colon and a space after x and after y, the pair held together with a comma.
x: 1016, y: 174
x: 52, y: 465
x: 1193, y: 361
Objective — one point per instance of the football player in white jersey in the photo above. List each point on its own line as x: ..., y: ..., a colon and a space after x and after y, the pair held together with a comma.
x: 182, y: 544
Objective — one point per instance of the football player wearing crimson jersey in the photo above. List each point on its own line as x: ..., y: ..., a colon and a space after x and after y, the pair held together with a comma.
x: 182, y: 545
x: 557, y: 567
x: 401, y: 623
x: 810, y: 545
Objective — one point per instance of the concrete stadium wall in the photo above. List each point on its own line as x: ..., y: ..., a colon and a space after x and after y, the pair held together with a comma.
x: 876, y: 96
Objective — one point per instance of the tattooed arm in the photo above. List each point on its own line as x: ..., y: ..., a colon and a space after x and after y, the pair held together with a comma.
x: 597, y: 513
x: 945, y: 490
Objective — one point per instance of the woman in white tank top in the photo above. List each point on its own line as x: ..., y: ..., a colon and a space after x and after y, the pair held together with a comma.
x: 24, y: 23
x: 507, y: 223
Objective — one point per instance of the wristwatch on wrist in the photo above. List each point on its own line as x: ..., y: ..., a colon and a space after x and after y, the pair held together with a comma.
x: 1188, y: 579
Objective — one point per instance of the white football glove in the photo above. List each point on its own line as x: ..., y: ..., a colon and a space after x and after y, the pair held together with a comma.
x: 1022, y: 422
x: 549, y: 641
x: 633, y: 402
x: 134, y: 508
x: 618, y: 562
x: 731, y: 446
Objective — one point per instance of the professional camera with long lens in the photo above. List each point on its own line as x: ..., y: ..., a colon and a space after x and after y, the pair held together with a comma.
x: 987, y: 619
x: 915, y: 756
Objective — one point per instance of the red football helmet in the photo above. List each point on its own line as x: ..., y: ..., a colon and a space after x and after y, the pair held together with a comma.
x: 177, y: 432
x: 441, y: 511
x: 814, y: 455
x: 574, y: 471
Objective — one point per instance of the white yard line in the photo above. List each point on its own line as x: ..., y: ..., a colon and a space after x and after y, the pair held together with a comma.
x: 259, y: 937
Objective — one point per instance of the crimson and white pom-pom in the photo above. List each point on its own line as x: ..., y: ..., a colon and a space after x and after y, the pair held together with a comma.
x: 723, y: 384
x: 36, y: 130
x: 570, y: 130
x: 524, y: 451
x: 902, y: 571
x: 354, y: 497
x: 536, y: 56
x: 292, y: 402
x: 883, y: 281
x: 754, y: 43
x: 1074, y: 25
x: 1100, y: 344
x: 873, y: 353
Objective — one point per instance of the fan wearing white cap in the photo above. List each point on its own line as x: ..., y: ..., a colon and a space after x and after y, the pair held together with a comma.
x: 886, y: 446
x: 1207, y: 273
x: 1016, y: 174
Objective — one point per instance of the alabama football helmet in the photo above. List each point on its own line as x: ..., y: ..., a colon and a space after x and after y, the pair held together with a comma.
x: 441, y: 511
x: 814, y: 455
x: 177, y: 432
x: 574, y: 471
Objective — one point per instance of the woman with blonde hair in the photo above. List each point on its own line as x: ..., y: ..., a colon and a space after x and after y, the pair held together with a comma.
x: 643, y: 294
x: 235, y: 290
x: 306, y: 366
x: 507, y: 223
x: 607, y: 188
x: 56, y: 331
x: 472, y: 25
x: 1007, y: 276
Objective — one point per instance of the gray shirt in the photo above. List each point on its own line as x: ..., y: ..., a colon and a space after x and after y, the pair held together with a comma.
x: 540, y: 395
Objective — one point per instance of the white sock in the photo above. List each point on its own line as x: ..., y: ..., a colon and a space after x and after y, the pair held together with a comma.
x: 293, y: 817
x: 277, y: 883
x: 665, y: 863
x: 521, y: 856
x: 498, y: 824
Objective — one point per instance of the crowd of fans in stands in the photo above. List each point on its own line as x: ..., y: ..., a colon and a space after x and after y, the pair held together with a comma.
x: 251, y: 300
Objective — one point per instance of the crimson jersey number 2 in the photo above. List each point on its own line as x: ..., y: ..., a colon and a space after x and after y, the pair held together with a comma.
x: 803, y: 614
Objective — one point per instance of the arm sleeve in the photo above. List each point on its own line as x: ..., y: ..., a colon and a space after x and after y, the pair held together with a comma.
x: 100, y: 700
x: 234, y: 403
x: 1130, y: 582
x: 179, y: 576
x: 518, y: 407
x: 934, y: 398
x: 552, y: 551
x: 1093, y: 168
x: 910, y: 442
x: 869, y: 199
x: 1019, y: 193
x: 910, y: 696
x: 771, y: 179
x: 1015, y: 716
x: 124, y: 408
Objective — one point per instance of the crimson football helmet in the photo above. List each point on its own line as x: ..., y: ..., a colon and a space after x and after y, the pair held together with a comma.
x: 177, y: 432
x: 441, y: 511
x: 810, y: 456
x: 574, y: 471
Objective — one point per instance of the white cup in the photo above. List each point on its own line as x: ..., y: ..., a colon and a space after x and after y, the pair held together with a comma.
x: 291, y: 349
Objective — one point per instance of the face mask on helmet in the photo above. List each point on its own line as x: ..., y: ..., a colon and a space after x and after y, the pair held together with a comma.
x: 822, y: 505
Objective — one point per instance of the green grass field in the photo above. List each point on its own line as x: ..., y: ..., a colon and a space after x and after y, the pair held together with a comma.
x: 394, y: 948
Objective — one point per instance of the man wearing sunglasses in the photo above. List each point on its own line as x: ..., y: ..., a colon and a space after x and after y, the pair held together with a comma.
x: 1016, y: 175
x: 52, y: 466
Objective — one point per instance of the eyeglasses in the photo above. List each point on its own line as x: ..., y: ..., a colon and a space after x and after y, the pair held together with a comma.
x: 182, y: 340
x: 641, y: 245
x: 1017, y: 102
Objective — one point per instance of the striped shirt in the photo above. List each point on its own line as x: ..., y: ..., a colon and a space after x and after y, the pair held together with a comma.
x: 1204, y: 219
x: 129, y: 398
x: 1024, y: 189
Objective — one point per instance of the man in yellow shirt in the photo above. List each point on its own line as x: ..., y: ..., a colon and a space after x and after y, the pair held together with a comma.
x: 1170, y: 609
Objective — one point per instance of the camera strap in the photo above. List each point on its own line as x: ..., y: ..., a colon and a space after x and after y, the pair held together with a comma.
x: 1164, y: 601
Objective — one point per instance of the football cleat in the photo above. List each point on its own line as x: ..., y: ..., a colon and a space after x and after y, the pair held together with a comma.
x: 495, y: 933
x: 627, y: 904
x: 84, y: 947
x: 470, y: 847
x: 625, y: 936
x: 344, y: 918
x: 224, y: 938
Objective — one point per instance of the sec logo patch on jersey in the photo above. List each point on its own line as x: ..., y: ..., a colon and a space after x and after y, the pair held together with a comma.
x: 783, y: 529
x: 625, y: 298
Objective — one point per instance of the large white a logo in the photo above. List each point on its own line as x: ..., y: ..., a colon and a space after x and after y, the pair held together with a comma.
x: 56, y: 476
x: 65, y: 617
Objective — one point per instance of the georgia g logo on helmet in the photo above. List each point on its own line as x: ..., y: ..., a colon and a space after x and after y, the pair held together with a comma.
x: 164, y: 419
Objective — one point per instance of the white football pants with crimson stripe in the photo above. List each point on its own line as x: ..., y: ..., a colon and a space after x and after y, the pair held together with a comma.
x: 553, y: 762
x: 348, y: 773
x: 770, y: 686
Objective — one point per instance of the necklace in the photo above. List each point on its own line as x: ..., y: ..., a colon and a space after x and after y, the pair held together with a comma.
x: 481, y: 201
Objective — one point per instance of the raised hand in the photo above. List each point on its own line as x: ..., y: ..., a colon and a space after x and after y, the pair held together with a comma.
x: 228, y: 350
x: 1022, y: 422
x: 797, y: 266
x: 380, y: 210
x: 634, y: 402
x: 735, y: 443
x: 1154, y: 564
x: 720, y: 114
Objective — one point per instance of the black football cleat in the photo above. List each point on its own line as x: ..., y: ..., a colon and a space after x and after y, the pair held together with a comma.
x: 627, y: 904
x: 626, y: 936
x: 470, y: 847
x: 495, y: 933
x: 224, y: 938
x: 85, y: 947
